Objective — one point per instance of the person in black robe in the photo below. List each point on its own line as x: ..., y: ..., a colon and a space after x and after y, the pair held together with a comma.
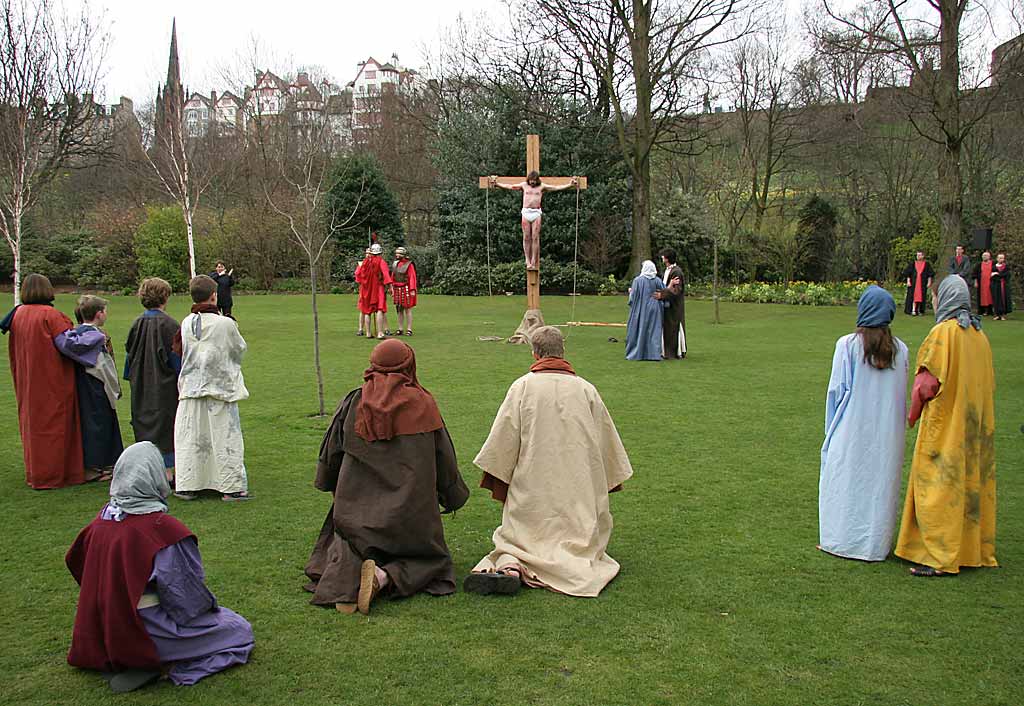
x: 152, y: 366
x: 388, y: 461
x: 919, y: 275
x: 1002, y: 296
x: 673, y: 329
x: 225, y: 281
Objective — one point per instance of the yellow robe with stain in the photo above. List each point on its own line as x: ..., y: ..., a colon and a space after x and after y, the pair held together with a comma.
x: 556, y: 446
x: 949, y: 517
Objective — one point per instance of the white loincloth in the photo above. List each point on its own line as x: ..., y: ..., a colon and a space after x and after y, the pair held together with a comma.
x: 531, y: 214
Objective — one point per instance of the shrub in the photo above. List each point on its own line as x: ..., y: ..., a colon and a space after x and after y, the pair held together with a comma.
x: 425, y: 259
x: 801, y: 293
x: 161, y: 246
x: 927, y: 239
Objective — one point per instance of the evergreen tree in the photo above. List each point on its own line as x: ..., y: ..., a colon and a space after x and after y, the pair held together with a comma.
x: 817, y: 239
x: 361, y: 199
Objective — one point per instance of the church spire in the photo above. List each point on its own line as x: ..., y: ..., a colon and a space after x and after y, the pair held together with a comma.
x: 173, y: 67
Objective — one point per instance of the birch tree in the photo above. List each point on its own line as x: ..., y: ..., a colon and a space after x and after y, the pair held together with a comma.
x: 50, y: 63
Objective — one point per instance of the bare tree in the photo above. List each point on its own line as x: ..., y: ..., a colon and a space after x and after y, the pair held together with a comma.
x: 301, y: 148
x: 758, y: 77
x: 49, y: 68
x: 186, y: 165
x: 941, y: 108
x: 647, y: 57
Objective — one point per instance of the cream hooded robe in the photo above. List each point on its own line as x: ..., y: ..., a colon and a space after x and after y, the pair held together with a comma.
x: 555, y: 445
x: 208, y: 445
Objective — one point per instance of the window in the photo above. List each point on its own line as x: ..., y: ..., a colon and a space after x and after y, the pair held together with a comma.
x: 371, y: 74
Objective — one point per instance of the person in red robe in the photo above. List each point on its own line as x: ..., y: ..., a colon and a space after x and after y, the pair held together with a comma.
x: 44, y: 386
x: 403, y: 289
x: 983, y: 283
x: 373, y: 276
x: 919, y: 275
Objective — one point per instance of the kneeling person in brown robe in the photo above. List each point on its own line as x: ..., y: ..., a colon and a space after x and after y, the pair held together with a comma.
x: 389, y: 462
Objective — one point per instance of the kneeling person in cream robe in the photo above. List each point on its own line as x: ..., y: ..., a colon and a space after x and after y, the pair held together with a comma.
x: 552, y: 457
x: 207, y: 431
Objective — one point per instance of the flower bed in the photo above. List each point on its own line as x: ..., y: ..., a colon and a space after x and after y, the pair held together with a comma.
x: 806, y: 293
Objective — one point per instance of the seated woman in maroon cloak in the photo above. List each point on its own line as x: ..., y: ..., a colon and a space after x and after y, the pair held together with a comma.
x: 388, y: 462
x: 143, y: 608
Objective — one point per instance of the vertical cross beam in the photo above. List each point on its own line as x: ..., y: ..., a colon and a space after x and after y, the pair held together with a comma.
x: 533, y: 276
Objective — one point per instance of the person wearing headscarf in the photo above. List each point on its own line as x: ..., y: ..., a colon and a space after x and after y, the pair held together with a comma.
x: 949, y: 515
x: 44, y: 388
x: 143, y: 605
x: 862, y: 456
x: 389, y: 463
x: 552, y: 458
x: 644, y: 328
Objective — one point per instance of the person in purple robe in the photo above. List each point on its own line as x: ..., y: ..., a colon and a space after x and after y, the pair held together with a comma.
x: 144, y: 609
x: 98, y: 386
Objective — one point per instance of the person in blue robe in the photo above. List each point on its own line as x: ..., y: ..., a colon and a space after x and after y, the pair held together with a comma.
x: 643, y: 334
x: 97, y: 384
x: 865, y: 427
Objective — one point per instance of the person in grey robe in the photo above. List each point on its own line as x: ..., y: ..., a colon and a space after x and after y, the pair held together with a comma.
x: 643, y: 331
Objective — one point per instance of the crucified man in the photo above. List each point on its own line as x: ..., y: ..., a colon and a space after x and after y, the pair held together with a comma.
x: 533, y: 191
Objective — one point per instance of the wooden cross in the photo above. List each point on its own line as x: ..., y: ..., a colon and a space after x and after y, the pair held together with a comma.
x: 533, y: 164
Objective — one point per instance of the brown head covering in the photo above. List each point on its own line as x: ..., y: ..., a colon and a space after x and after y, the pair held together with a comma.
x: 393, y: 403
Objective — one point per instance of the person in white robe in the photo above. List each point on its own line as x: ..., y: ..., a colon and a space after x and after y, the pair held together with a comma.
x: 865, y: 427
x: 207, y: 431
x: 553, y: 455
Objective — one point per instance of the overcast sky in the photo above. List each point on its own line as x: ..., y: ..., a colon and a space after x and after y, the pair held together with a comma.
x: 212, y: 34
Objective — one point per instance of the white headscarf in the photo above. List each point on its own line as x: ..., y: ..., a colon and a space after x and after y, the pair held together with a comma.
x: 140, y: 485
x: 648, y: 270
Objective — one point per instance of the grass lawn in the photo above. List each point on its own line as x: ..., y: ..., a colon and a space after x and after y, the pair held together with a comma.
x: 722, y: 597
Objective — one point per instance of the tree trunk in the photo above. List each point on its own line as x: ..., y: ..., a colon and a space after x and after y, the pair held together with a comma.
x: 947, y: 96
x: 16, y: 252
x: 643, y: 134
x: 641, y: 218
x: 191, y: 243
x: 316, y: 339
x: 714, y: 282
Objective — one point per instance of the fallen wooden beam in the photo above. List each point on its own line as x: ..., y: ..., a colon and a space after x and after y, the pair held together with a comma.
x: 594, y: 323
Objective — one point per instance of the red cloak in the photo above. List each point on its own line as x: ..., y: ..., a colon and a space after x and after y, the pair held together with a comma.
x: 372, y: 276
x: 44, y: 385
x: 112, y: 561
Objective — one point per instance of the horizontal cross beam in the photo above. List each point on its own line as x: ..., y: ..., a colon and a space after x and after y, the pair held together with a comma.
x: 485, y: 182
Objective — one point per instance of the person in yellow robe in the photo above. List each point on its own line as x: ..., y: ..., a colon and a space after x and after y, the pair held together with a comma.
x: 552, y: 458
x: 949, y: 516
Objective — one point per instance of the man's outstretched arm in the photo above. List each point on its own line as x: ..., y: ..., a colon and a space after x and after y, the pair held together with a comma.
x: 571, y: 185
x: 507, y: 187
